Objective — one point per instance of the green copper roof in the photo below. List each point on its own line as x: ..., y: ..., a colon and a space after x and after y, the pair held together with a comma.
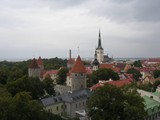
x: 152, y: 106
x: 157, y: 94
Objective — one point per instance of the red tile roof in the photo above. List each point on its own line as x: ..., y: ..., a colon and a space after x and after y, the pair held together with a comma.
x: 78, y: 66
x: 52, y: 71
x: 118, y: 83
x: 121, y: 65
x: 110, y: 66
x: 39, y: 61
x: 33, y: 64
x: 154, y: 60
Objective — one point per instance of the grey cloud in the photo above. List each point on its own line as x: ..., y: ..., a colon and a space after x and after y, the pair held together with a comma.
x: 53, y: 4
x: 147, y: 10
x: 129, y: 10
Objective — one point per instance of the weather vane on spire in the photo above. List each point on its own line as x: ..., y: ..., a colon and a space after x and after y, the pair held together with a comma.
x: 78, y: 51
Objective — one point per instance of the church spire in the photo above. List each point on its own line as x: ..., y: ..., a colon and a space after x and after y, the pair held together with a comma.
x: 99, y: 41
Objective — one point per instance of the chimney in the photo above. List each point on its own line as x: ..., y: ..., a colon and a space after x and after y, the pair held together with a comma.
x: 70, y: 54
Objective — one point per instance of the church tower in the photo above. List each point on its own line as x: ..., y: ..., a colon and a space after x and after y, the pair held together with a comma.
x: 99, y: 50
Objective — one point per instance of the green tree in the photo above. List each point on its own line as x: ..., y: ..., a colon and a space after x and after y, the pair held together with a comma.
x: 112, y: 103
x: 136, y: 74
x: 155, y: 84
x: 6, y: 106
x: 147, y: 87
x: 54, y: 63
x: 29, y: 84
x: 104, y: 74
x: 62, y: 75
x: 22, y: 107
x: 137, y: 63
x: 15, y: 74
x: 49, y: 86
x: 4, y: 75
x: 156, y: 73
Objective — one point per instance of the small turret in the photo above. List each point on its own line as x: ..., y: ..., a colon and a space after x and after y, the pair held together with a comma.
x: 40, y: 63
x: 77, y: 75
x: 95, y: 64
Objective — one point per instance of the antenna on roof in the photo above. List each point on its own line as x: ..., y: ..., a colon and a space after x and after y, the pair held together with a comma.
x: 70, y: 54
x: 78, y: 51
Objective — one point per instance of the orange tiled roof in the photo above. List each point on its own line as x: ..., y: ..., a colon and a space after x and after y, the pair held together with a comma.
x: 118, y: 83
x: 154, y: 60
x: 78, y: 66
x: 50, y: 72
x: 39, y: 61
x: 110, y: 66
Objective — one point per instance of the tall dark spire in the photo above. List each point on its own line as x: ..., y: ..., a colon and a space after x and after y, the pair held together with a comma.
x: 99, y: 41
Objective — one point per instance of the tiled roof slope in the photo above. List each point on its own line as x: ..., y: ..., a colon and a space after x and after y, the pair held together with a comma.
x: 39, y: 61
x: 78, y: 67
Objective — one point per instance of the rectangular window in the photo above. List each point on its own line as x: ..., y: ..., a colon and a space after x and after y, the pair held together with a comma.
x: 57, y: 108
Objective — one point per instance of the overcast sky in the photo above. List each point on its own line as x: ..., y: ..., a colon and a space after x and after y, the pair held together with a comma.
x: 49, y: 28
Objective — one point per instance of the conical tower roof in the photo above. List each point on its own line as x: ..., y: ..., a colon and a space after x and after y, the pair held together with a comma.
x: 39, y: 61
x: 78, y: 67
x: 33, y: 64
x: 95, y: 62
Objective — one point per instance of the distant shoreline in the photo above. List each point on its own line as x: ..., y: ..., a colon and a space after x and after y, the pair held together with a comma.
x: 89, y: 58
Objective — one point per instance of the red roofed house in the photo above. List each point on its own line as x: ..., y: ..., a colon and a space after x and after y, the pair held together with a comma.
x: 76, y: 79
x: 110, y: 66
x: 118, y: 83
x: 53, y: 74
x: 153, y: 60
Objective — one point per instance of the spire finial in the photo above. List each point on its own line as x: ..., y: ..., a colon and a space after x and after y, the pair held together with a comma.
x: 99, y: 40
x: 99, y: 33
